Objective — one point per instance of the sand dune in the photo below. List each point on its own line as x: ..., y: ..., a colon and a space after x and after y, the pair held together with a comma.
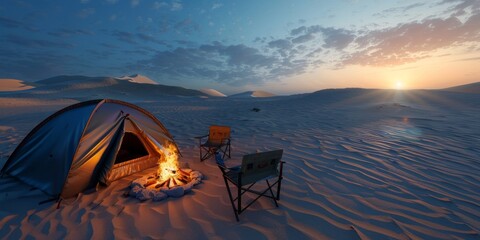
x: 132, y: 88
x: 467, y: 88
x: 360, y: 164
x: 137, y: 78
x: 212, y: 92
x: 10, y: 85
x: 254, y: 94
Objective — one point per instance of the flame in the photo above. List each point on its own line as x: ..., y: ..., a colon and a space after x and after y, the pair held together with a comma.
x: 168, y: 166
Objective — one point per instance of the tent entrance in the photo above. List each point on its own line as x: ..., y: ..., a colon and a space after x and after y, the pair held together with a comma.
x: 131, y: 148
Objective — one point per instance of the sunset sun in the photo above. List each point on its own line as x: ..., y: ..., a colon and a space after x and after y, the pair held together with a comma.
x: 399, y: 85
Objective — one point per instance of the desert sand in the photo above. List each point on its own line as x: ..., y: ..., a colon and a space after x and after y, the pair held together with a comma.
x: 255, y: 94
x: 11, y: 85
x: 360, y: 164
x: 212, y: 92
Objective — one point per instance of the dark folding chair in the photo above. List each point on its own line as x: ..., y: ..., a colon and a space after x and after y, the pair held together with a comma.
x: 218, y: 140
x: 255, y: 168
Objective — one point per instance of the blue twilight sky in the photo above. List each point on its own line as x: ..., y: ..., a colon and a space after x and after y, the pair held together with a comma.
x: 231, y: 46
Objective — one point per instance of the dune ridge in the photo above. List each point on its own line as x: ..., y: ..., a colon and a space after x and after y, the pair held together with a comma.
x: 253, y: 94
x: 11, y: 85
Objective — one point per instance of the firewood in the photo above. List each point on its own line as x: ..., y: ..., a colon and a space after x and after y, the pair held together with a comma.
x: 183, y: 172
x: 161, y: 184
x: 150, y: 182
x: 183, y: 180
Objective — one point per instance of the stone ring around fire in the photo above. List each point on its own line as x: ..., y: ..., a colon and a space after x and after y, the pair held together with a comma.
x: 151, y: 187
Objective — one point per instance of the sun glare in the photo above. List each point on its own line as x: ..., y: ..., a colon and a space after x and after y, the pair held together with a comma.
x: 399, y: 85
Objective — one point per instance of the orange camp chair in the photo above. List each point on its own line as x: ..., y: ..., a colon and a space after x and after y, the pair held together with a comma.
x: 218, y: 140
x: 255, y: 168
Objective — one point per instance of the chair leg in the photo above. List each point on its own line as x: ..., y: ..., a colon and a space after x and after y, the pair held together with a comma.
x: 231, y: 199
x: 271, y: 192
x: 224, y: 152
x: 209, y: 152
x: 280, y: 177
x: 279, y: 187
x: 239, y: 198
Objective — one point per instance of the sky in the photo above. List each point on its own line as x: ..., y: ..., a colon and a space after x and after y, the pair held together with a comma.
x: 280, y: 46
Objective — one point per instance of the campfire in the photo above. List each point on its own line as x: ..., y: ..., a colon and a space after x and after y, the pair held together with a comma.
x: 169, y: 174
x: 169, y: 180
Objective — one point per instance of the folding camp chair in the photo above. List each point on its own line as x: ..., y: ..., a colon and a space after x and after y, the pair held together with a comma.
x: 218, y: 139
x: 255, y: 168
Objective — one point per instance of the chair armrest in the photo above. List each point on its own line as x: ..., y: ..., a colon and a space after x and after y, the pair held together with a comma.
x: 200, y: 137
x: 222, y: 168
x: 225, y: 140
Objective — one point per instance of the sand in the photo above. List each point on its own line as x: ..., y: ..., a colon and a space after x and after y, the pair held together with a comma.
x: 212, y: 92
x: 11, y: 85
x: 253, y: 94
x: 360, y: 164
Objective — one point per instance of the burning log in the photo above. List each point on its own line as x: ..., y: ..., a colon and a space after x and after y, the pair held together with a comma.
x: 180, y: 178
x: 150, y: 181
x: 173, y: 182
x: 163, y: 184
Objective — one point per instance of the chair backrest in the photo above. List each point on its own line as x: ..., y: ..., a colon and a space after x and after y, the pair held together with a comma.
x: 258, y: 166
x: 218, y: 134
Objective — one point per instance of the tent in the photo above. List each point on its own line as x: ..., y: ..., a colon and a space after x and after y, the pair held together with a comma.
x: 87, y: 143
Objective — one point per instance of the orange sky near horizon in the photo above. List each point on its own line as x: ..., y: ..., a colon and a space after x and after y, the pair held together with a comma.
x: 430, y: 73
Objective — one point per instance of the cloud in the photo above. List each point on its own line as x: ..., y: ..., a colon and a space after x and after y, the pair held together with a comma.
x: 467, y: 59
x: 298, y: 30
x: 10, y: 23
x: 337, y: 38
x: 303, y: 38
x: 186, y: 25
x: 280, y: 43
x: 35, y: 43
x: 399, y: 10
x: 176, y: 6
x: 229, y: 64
x: 158, y: 5
x: 149, y: 38
x: 413, y: 41
x: 462, y: 6
x: 243, y: 55
x: 69, y: 32
x: 134, y: 3
x: 405, y: 43
x: 108, y: 45
x: 36, y: 66
x: 84, y: 13
x: 124, y: 36
x: 216, y: 5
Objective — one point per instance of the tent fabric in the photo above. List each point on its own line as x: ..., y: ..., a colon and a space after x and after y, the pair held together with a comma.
x: 75, y: 148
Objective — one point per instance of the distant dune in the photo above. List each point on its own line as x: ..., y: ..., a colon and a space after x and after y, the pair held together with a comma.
x: 467, y: 88
x: 135, y: 87
x: 11, y: 85
x: 212, y: 92
x: 255, y: 94
x: 137, y: 78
